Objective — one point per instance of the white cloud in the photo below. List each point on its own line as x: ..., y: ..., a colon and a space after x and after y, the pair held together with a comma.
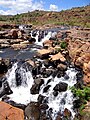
x: 19, y: 6
x: 53, y: 7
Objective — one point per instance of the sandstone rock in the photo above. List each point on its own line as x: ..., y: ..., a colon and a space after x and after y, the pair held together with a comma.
x: 14, y: 33
x: 20, y: 34
x: 4, y: 46
x: 9, y: 112
x: 47, y: 43
x: 44, y: 52
x: 25, y: 42
x: 15, y: 41
x: 4, y: 41
x: 58, y: 56
x: 32, y: 63
x: 19, y: 46
x: 79, y: 51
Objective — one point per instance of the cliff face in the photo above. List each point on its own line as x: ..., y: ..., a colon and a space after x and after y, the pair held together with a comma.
x: 76, y: 16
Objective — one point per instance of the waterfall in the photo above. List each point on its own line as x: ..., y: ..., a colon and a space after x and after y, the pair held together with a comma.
x: 43, y: 36
x: 56, y: 103
x: 21, y: 94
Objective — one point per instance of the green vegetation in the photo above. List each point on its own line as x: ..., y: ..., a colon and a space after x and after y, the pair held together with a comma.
x: 83, y: 95
x: 63, y: 45
x: 76, y: 16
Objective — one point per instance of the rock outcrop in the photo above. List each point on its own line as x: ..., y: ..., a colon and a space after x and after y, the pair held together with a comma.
x: 8, y: 112
x: 79, y: 51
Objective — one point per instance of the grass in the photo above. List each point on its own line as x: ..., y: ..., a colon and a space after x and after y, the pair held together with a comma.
x: 76, y: 16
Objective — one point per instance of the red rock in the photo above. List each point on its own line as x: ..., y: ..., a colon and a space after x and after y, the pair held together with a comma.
x: 58, y: 56
x: 45, y: 52
x: 47, y: 43
x: 14, y: 33
x: 8, y: 112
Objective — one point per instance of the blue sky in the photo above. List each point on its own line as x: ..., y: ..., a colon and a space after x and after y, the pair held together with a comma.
x: 20, y: 6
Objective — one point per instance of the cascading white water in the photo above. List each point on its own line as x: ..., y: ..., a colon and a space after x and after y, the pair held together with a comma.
x: 55, y: 102
x: 46, y: 37
x: 21, y: 94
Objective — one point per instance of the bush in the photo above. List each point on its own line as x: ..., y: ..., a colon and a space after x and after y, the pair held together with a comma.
x: 83, y: 95
x: 63, y: 45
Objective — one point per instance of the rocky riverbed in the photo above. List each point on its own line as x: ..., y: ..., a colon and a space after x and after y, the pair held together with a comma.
x: 37, y: 70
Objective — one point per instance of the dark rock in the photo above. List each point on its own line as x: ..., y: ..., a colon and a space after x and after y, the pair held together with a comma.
x: 46, y: 63
x: 7, y: 100
x: 40, y: 98
x: 36, y: 87
x: 36, y: 70
x: 32, y: 111
x: 44, y: 106
x: 76, y: 103
x: 55, y: 93
x: 62, y: 67
x: 67, y: 113
x: 61, y: 87
x: 49, y: 81
x: 0, y: 84
x: 3, y: 67
x: 58, y: 117
x: 49, y: 114
x: 32, y: 40
x: 21, y: 106
x: 60, y: 74
x: 46, y: 88
x: 39, y: 81
x: 66, y: 77
x: 54, y: 73
x: 18, y: 78
x: 5, y: 89
x: 63, y: 101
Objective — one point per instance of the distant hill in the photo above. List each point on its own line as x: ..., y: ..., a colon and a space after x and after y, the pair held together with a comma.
x: 76, y: 16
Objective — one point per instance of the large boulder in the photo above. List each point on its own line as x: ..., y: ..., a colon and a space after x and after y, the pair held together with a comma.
x: 79, y: 52
x: 57, y: 57
x: 32, y: 111
x: 45, y: 52
x: 36, y: 86
x: 47, y: 43
x: 8, y: 112
x: 61, y: 87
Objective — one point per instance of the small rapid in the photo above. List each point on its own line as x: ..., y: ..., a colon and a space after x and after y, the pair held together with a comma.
x: 21, y: 93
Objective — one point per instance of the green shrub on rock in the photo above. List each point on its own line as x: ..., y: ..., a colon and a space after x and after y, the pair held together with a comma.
x: 63, y: 45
